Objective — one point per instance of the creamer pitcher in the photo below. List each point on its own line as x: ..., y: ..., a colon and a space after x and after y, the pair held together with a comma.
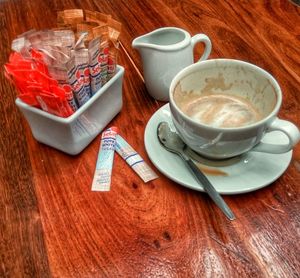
x: 164, y: 53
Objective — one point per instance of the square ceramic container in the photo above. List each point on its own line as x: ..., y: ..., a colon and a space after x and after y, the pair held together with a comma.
x: 71, y: 135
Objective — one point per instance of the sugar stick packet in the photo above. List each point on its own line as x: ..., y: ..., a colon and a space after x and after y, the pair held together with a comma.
x: 94, y: 65
x: 134, y: 160
x: 82, y: 75
x: 76, y: 81
x: 102, y: 176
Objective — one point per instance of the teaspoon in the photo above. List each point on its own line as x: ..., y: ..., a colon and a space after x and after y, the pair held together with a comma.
x: 173, y: 143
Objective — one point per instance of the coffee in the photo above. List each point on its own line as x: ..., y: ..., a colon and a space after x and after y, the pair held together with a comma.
x: 221, y: 110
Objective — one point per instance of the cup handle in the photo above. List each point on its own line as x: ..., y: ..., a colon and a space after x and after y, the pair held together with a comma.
x: 289, y: 129
x: 205, y: 39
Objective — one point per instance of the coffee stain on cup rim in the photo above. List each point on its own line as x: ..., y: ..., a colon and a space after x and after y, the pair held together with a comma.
x: 216, y: 83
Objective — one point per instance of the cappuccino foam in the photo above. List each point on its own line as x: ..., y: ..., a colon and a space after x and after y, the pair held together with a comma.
x: 220, y: 110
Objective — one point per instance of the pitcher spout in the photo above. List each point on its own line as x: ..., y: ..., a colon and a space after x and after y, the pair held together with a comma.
x: 141, y: 42
x: 165, y: 39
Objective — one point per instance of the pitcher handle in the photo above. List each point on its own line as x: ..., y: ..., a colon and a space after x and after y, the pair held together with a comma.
x: 204, y: 39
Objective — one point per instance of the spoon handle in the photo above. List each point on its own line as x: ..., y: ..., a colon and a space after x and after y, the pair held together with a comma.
x: 208, y: 187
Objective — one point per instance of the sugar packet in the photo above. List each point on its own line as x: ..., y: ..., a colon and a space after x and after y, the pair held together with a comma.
x: 102, y: 176
x: 134, y: 160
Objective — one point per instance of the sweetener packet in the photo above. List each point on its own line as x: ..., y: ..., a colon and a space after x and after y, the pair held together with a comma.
x: 82, y: 63
x: 112, y: 62
x: 134, y: 160
x: 60, y: 73
x: 64, y: 105
x: 80, y: 41
x: 97, y: 17
x: 87, y: 29
x: 22, y: 44
x: 66, y: 37
x: 102, y: 176
x: 53, y: 104
x: 56, y: 62
x: 34, y: 77
x: 94, y: 65
x: 68, y: 19
x: 102, y: 33
x: 72, y: 16
x: 54, y: 55
x: 38, y: 61
x: 76, y: 81
x: 38, y: 89
x: 18, y: 44
x: 114, y: 30
x: 46, y: 37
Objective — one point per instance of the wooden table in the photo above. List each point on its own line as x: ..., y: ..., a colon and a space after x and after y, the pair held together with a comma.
x: 52, y: 224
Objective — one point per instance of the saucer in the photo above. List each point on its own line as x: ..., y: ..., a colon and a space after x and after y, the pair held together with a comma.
x: 246, y: 173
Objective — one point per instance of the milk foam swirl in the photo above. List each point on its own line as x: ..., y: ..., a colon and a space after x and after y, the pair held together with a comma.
x: 221, y: 110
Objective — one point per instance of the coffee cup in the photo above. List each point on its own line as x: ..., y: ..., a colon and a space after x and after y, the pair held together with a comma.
x: 222, y: 108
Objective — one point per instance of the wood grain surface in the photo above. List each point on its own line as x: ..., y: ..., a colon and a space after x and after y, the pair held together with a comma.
x: 53, y: 225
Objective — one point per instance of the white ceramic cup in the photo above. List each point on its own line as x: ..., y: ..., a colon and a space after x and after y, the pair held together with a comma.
x: 234, y: 77
x: 164, y: 52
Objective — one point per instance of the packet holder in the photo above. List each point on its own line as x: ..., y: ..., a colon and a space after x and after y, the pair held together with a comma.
x: 71, y: 135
